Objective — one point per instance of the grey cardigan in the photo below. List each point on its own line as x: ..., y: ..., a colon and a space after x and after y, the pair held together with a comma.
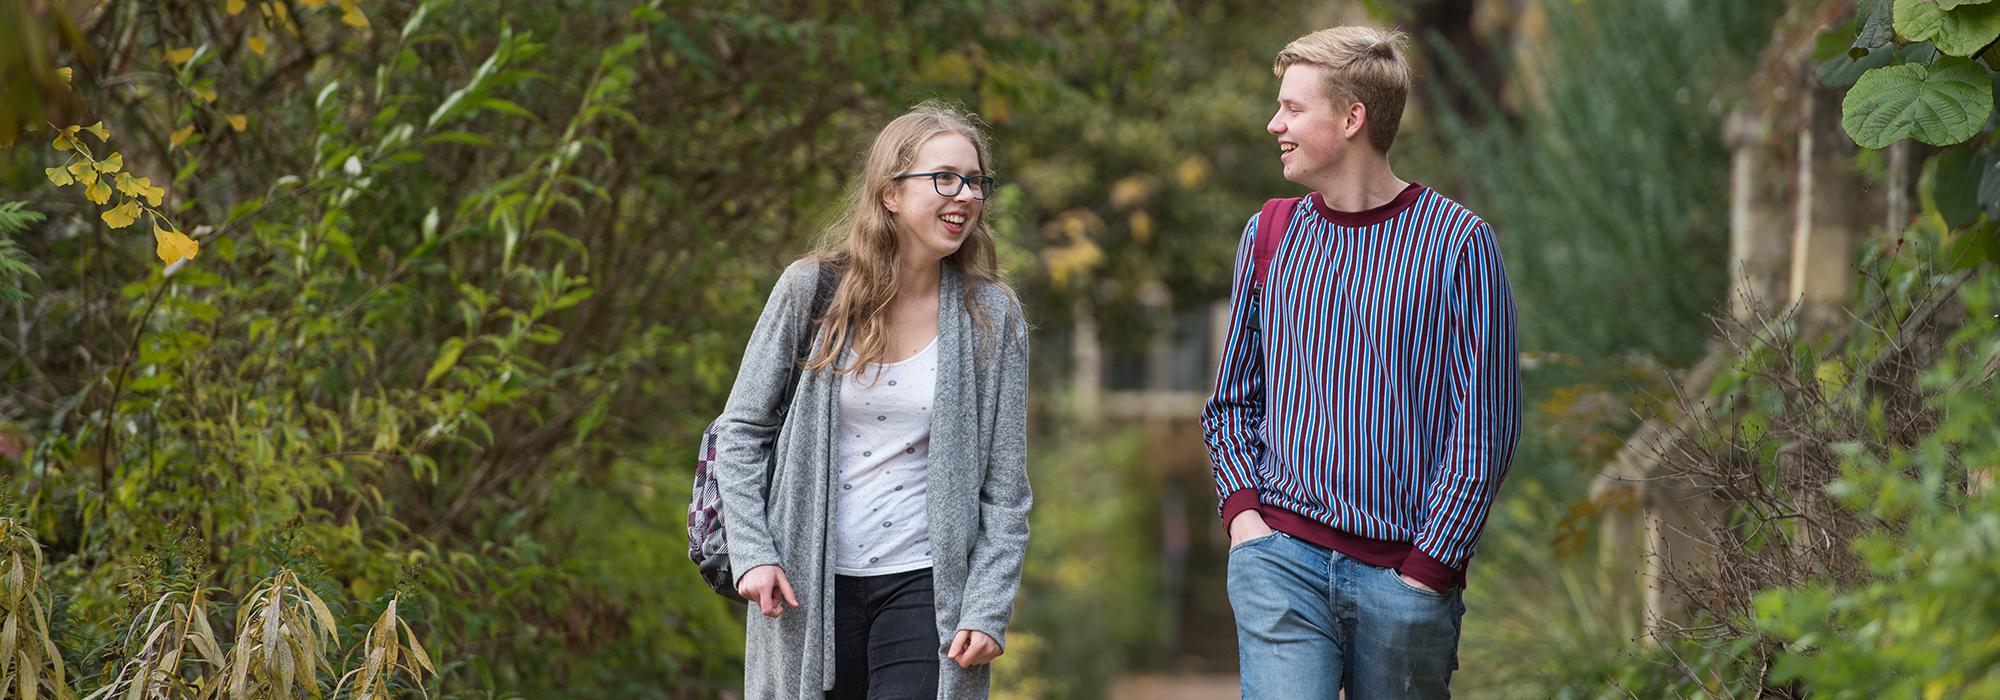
x: 978, y: 484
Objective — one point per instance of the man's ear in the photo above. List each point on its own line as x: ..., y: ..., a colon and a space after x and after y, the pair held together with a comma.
x: 1357, y: 119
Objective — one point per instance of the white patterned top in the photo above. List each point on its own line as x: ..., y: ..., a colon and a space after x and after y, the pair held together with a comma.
x: 880, y: 511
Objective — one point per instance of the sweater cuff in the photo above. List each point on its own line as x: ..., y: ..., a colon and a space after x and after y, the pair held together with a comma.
x: 1241, y: 500
x: 1431, y: 572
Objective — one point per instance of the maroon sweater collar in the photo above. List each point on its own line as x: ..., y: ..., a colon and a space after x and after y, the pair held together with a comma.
x: 1368, y: 217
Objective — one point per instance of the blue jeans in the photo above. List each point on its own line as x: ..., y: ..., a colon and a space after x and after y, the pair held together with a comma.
x: 1311, y: 621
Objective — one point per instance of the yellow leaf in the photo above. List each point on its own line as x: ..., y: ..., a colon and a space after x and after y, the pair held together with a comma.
x: 312, y: 4
x: 181, y: 135
x: 67, y: 73
x: 234, y: 7
x: 98, y: 129
x: 122, y: 215
x: 180, y: 56
x: 98, y: 192
x: 143, y: 187
x: 238, y: 122
x: 83, y: 173
x: 258, y: 45
x: 112, y: 164
x: 350, y: 14
x: 62, y: 142
x: 206, y: 94
x: 173, y: 245
x: 59, y: 176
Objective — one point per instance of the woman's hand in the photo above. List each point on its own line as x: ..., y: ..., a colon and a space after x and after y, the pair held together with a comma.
x: 764, y: 585
x: 972, y: 648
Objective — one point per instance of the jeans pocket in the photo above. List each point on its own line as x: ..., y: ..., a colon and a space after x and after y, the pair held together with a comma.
x: 1252, y: 541
x: 1397, y: 578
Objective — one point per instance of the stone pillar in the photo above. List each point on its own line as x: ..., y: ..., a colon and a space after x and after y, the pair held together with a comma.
x: 1759, y: 221
x: 1086, y: 364
x: 1835, y: 209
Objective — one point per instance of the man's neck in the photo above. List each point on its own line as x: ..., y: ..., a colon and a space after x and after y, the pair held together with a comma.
x: 1364, y: 184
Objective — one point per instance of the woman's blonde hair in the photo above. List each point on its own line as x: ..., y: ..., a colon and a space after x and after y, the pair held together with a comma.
x: 1362, y: 64
x: 863, y: 241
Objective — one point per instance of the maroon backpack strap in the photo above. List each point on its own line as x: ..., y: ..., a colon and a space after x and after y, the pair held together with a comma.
x: 1270, y: 233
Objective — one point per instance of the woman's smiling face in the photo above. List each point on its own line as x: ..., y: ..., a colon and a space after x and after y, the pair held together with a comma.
x: 926, y: 221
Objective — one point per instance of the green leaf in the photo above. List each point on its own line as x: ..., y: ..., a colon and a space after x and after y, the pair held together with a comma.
x: 1877, y: 27
x: 1959, y: 31
x: 1843, y: 69
x: 447, y: 357
x: 1954, y: 185
x: 1975, y: 248
x: 508, y: 107
x: 1989, y: 188
x: 1941, y: 105
x: 1949, y: 4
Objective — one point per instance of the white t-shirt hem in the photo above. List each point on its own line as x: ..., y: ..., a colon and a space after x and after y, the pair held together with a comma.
x: 884, y: 570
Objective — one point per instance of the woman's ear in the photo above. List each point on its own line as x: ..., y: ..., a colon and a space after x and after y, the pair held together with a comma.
x: 889, y: 199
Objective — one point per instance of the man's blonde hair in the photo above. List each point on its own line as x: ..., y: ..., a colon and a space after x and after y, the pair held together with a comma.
x: 1362, y: 64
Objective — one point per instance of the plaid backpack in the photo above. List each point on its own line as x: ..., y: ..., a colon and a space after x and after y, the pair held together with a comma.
x: 708, y: 542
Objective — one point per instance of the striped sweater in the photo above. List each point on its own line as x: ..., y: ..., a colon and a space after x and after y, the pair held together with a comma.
x: 1378, y: 413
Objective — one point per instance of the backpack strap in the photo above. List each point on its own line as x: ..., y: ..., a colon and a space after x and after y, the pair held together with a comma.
x: 1270, y: 233
x: 828, y: 279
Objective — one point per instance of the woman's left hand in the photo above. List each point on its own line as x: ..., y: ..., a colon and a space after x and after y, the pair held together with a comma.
x: 972, y: 648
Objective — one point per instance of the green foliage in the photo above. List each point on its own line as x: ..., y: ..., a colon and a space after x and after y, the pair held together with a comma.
x: 1091, y: 599
x: 14, y: 264
x: 471, y: 276
x: 1926, y: 622
x: 1934, y: 84
x: 1942, y: 104
x: 1608, y: 184
x: 1958, y: 28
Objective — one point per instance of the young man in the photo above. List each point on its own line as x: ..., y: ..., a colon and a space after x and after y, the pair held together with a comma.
x: 1367, y: 405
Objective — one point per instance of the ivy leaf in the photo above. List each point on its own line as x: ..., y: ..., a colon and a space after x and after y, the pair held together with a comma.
x: 1941, y: 105
x: 59, y: 176
x: 173, y: 246
x: 122, y: 215
x: 1959, y: 31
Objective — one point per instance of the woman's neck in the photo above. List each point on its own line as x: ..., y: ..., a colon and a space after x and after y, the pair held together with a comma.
x: 918, y: 276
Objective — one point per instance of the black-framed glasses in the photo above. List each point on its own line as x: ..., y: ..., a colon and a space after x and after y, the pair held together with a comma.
x: 948, y: 184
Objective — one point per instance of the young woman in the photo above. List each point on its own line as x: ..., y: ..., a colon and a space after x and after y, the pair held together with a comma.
x: 882, y: 550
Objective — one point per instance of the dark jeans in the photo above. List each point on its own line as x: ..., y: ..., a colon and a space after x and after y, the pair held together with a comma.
x: 885, y: 637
